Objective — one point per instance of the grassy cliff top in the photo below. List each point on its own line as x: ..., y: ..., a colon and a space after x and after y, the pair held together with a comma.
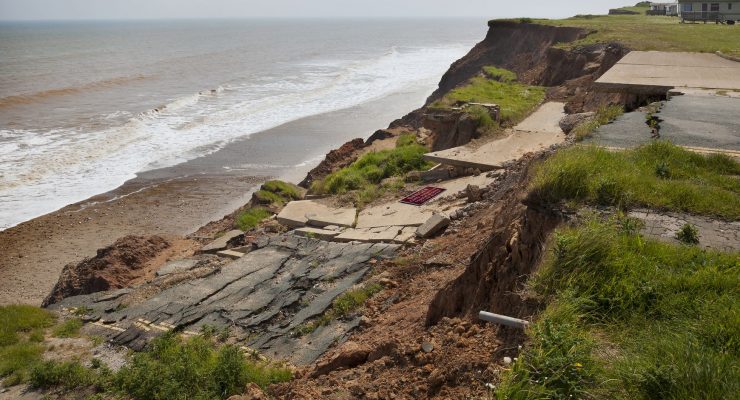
x: 642, y: 32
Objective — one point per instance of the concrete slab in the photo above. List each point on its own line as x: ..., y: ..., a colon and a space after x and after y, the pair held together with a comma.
x: 494, y: 154
x: 702, y: 123
x: 406, y: 235
x: 220, y: 242
x: 545, y: 119
x: 434, y: 224
x: 386, y: 234
x: 177, y: 266
x: 656, y: 71
x: 297, y: 214
x: 316, y: 233
x: 234, y: 255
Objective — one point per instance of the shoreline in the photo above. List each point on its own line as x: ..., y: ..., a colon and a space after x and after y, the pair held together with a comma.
x: 181, y: 199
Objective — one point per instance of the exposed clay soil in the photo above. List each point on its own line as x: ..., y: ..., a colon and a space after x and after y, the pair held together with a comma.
x: 127, y: 262
x: 390, y: 357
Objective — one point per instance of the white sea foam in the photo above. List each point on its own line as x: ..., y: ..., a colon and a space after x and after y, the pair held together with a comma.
x: 43, y: 171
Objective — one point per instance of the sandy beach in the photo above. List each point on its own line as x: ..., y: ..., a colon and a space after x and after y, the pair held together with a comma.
x: 180, y: 199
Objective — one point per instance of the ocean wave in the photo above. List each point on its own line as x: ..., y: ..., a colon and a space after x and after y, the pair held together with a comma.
x: 42, y: 95
x: 56, y: 168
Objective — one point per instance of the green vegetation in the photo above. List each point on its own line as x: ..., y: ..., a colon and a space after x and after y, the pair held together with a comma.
x: 697, y: 184
x: 172, y: 368
x: 629, y: 318
x: 342, y: 306
x: 642, y: 32
x: 285, y: 190
x: 251, y: 217
x: 499, y: 74
x: 605, y: 115
x: 68, y: 328
x: 482, y: 116
x: 516, y: 99
x: 364, y: 176
x: 405, y: 139
x: 688, y: 234
x: 21, y: 329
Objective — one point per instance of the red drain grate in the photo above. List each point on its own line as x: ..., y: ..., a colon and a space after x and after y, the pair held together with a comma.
x: 422, y: 196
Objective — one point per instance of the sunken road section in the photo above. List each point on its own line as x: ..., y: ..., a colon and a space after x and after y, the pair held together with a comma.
x: 264, y: 297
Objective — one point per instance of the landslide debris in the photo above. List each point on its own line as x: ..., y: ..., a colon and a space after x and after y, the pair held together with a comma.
x: 126, y: 261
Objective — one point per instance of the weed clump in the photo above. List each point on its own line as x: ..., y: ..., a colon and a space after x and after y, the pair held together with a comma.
x: 69, y: 328
x: 688, y: 234
x: 605, y: 115
x: 252, y: 217
x: 342, y: 306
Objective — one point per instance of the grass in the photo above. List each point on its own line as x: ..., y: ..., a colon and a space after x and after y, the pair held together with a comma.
x: 365, y: 175
x: 499, y: 74
x: 67, y: 329
x: 251, y: 217
x: 516, y: 99
x: 283, y: 189
x: 605, y: 115
x: 697, y: 184
x: 21, y: 329
x: 170, y: 368
x: 629, y: 318
x: 343, y: 305
x: 642, y: 32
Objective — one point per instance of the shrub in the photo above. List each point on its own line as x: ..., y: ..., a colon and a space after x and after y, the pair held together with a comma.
x: 688, y: 234
x: 68, y: 328
x: 251, y: 218
x: 483, y: 118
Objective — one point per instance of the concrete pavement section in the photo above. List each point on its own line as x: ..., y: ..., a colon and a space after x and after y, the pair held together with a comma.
x: 655, y: 72
x: 539, y: 131
x: 297, y: 214
x: 696, y: 122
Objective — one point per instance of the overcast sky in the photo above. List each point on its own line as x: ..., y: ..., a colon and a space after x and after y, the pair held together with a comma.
x: 175, y: 9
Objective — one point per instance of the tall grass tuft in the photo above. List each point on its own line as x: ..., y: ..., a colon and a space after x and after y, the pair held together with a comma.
x: 630, y: 318
x: 697, y: 184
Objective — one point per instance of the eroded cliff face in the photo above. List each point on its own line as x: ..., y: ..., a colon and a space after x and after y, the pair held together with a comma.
x: 496, y: 274
x: 519, y: 47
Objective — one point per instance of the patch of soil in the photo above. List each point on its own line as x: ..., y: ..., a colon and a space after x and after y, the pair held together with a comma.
x: 128, y: 261
x: 397, y: 353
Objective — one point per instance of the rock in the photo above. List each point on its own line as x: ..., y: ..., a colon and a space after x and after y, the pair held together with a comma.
x: 323, y: 234
x: 436, y: 379
x: 113, y: 267
x: 221, y: 242
x: 350, y: 355
x: 432, y: 226
x: 427, y: 347
x: 252, y: 392
x: 230, y: 254
x: 380, y: 134
x: 473, y: 193
x: 177, y: 266
x: 507, y: 360
x: 569, y: 122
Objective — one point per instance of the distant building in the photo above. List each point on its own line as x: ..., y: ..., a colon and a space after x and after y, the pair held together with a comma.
x: 669, y: 9
x: 727, y: 11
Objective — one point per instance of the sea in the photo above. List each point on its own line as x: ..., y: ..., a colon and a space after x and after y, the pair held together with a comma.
x: 86, y: 106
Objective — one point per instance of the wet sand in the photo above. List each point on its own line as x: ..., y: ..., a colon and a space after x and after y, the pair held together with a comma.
x: 180, y: 199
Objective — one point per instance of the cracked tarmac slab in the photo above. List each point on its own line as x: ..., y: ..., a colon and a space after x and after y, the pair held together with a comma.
x: 263, y: 297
